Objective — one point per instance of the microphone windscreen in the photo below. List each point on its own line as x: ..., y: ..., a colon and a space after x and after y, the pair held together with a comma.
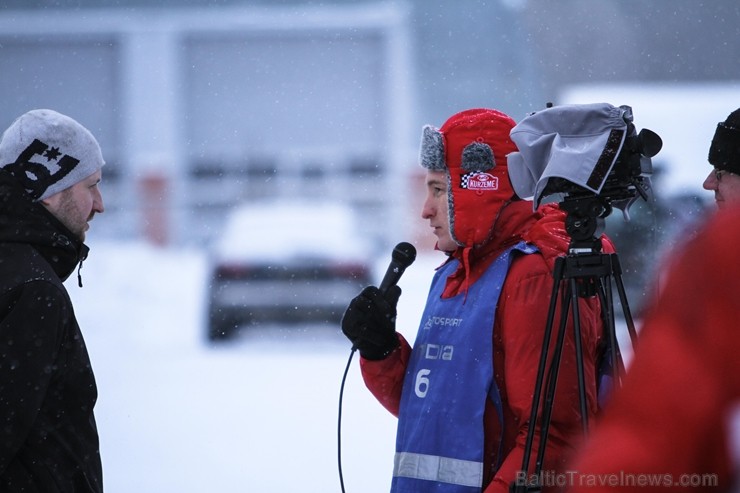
x: 404, y: 253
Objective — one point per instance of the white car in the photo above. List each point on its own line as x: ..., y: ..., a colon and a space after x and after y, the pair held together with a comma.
x: 285, y: 262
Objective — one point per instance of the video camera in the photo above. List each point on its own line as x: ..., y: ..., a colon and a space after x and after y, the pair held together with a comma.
x: 587, y: 157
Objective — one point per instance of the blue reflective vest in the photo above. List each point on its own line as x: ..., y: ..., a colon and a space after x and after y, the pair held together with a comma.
x: 439, y: 442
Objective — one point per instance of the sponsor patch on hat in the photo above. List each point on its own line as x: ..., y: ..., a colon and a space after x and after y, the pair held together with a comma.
x: 479, y: 181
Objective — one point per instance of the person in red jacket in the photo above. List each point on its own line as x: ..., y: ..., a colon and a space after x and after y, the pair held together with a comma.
x: 463, y: 394
x: 675, y: 423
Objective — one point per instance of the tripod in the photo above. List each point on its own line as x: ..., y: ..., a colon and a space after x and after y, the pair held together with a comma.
x: 584, y: 272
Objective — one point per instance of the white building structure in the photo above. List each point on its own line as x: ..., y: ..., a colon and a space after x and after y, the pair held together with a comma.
x: 197, y: 110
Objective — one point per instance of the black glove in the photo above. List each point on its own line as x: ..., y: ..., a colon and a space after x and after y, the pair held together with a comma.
x: 370, y: 322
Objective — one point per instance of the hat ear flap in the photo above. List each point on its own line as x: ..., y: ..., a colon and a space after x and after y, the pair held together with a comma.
x: 477, y: 156
x: 432, y: 149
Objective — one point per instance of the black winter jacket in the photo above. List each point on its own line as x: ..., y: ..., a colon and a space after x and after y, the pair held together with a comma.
x: 48, y: 436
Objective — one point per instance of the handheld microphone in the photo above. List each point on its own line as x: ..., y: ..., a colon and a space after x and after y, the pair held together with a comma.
x: 403, y: 255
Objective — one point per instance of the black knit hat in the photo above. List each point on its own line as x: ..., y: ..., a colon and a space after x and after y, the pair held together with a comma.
x: 724, y: 153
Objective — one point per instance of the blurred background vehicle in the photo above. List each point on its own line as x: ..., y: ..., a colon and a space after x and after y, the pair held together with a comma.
x: 287, y: 262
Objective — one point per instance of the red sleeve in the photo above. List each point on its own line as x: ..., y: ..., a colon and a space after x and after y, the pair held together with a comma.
x: 662, y: 424
x: 521, y: 319
x: 670, y: 417
x: 384, y: 378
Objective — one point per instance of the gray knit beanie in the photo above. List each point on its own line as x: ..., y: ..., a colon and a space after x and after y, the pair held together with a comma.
x: 48, y: 152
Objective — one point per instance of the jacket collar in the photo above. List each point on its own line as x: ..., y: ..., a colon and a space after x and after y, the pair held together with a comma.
x: 544, y: 228
x: 25, y: 221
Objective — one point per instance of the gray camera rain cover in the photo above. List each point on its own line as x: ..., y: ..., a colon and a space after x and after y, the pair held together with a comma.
x: 579, y: 143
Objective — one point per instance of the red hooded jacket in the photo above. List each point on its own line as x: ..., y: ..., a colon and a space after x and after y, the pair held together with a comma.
x: 517, y: 335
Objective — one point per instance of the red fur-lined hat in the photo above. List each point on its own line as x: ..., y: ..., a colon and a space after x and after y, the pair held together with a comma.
x: 471, y: 147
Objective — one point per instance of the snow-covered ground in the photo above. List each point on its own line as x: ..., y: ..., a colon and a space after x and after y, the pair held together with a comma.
x: 258, y: 415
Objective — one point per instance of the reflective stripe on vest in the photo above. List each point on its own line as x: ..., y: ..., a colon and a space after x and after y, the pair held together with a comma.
x: 439, y: 469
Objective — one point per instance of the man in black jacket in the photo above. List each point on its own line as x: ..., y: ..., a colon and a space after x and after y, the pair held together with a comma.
x: 50, y: 167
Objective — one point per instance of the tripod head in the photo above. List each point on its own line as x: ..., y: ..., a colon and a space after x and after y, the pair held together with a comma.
x: 585, y: 222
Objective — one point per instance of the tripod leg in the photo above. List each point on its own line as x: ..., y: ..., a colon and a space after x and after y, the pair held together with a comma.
x: 606, y: 302
x: 617, y: 269
x: 557, y: 275
x: 552, y: 379
x: 579, y: 356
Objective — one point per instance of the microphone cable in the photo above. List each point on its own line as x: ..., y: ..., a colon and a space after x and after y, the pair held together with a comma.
x: 402, y: 256
x: 339, y: 419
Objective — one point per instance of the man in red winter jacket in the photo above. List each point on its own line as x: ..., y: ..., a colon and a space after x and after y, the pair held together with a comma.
x: 463, y: 394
